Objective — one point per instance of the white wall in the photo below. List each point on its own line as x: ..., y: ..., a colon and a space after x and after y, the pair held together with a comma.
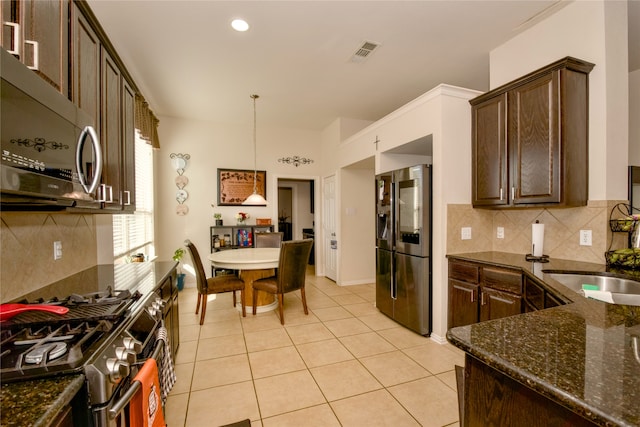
x: 594, y: 31
x: 634, y: 114
x: 444, y: 115
x: 212, y: 146
x: 357, y: 261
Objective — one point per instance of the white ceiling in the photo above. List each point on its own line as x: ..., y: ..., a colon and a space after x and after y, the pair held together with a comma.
x: 189, y: 63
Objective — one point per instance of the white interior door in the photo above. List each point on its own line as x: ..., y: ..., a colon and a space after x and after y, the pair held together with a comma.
x: 329, y: 227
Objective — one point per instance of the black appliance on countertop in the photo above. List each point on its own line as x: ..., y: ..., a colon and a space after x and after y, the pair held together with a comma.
x: 106, y: 335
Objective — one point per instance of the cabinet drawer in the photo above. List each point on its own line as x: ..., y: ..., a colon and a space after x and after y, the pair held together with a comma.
x: 502, y: 279
x: 464, y: 272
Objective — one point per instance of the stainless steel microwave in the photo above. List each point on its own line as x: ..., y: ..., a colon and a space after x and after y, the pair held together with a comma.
x: 51, y: 154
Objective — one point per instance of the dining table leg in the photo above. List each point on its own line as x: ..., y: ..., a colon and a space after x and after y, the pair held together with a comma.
x: 266, y: 301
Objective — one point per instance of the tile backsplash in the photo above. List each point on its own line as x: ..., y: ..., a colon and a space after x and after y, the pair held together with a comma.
x: 561, y: 236
x: 27, y: 238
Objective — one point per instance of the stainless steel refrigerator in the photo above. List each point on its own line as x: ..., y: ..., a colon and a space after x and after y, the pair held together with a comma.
x: 403, y: 247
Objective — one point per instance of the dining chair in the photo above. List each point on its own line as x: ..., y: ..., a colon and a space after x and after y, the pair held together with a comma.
x: 268, y: 240
x: 290, y: 276
x: 213, y: 285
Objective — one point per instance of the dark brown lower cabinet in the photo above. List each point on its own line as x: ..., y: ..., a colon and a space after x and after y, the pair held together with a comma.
x: 463, y: 303
x: 168, y: 292
x: 491, y: 398
x: 495, y: 304
x: 479, y: 292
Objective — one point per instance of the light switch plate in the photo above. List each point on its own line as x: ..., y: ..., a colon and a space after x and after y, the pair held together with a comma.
x: 465, y: 233
x: 500, y: 233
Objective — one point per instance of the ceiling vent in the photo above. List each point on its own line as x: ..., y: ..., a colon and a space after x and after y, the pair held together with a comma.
x: 364, y: 51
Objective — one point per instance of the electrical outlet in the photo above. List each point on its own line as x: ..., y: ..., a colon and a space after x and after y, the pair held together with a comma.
x: 500, y: 233
x: 585, y: 238
x: 57, y: 250
x: 465, y: 233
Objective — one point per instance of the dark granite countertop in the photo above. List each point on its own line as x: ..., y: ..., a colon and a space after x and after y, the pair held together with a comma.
x: 578, y: 354
x: 136, y: 276
x: 38, y: 402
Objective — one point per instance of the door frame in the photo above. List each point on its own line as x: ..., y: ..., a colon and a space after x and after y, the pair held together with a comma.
x: 317, y: 219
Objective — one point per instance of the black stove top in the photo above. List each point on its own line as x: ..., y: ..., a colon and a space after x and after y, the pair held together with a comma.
x: 37, y: 343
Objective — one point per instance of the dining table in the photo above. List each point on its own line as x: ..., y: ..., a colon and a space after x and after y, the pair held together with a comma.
x: 252, y: 264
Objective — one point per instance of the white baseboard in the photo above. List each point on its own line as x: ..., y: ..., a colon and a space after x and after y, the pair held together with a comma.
x: 438, y: 339
x: 359, y: 282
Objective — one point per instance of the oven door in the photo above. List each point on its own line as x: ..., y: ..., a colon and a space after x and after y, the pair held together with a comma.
x: 113, y: 409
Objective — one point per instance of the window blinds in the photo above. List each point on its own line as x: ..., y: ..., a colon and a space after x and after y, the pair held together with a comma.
x: 133, y: 233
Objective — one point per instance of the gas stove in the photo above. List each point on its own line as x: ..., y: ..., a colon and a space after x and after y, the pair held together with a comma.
x: 36, y: 343
x: 107, y: 334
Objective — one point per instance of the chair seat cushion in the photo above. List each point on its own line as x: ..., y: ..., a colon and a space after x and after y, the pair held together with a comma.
x: 270, y: 284
x: 224, y: 283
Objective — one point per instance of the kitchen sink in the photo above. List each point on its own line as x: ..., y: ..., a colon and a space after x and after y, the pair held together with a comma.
x: 623, y: 291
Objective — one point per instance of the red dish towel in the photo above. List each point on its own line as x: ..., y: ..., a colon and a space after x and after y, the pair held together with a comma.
x: 145, y: 409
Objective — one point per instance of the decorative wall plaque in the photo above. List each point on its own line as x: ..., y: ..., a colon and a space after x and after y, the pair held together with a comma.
x: 235, y: 185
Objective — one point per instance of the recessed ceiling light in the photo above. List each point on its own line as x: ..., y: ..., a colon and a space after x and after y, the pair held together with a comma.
x: 239, y: 25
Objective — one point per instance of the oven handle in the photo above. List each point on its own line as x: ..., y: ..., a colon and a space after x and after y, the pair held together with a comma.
x: 135, y: 385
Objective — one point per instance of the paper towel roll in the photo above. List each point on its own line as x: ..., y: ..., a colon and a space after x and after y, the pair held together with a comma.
x: 537, y: 239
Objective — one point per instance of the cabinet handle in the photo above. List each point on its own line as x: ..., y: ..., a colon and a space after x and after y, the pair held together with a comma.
x: 513, y: 193
x: 36, y: 55
x: 102, y: 193
x: 473, y: 295
x: 501, y: 195
x: 15, y: 36
x: 482, y: 301
x: 128, y: 194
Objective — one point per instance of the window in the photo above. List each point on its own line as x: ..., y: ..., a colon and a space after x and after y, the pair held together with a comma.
x: 133, y: 233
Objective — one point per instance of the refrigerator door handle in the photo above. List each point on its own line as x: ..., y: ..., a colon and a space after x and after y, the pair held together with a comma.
x: 394, y: 289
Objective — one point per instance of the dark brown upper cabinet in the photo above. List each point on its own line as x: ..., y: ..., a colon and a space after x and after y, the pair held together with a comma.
x: 37, y: 33
x: 530, y: 139
x: 101, y: 89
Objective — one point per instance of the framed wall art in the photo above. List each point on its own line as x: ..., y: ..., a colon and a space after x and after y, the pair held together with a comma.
x: 235, y: 185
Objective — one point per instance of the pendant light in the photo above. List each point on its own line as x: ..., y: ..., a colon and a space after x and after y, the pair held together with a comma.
x: 255, y: 199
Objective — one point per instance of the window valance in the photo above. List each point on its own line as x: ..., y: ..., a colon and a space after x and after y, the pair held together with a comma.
x: 147, y: 122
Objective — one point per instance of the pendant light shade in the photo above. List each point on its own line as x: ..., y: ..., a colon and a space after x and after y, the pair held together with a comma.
x: 255, y: 199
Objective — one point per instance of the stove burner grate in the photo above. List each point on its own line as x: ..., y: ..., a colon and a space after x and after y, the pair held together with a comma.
x: 35, y: 352
x: 88, y: 312
x: 50, y: 351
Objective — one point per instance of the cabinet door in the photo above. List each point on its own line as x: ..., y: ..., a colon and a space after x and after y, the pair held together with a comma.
x: 175, y: 327
x: 9, y: 18
x: 489, y: 152
x: 86, y: 67
x: 533, y: 140
x: 496, y: 304
x: 463, y: 303
x: 45, y: 40
x: 110, y: 131
x: 37, y: 33
x: 128, y: 148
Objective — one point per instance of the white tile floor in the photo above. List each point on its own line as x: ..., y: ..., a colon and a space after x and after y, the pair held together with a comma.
x: 345, y: 364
